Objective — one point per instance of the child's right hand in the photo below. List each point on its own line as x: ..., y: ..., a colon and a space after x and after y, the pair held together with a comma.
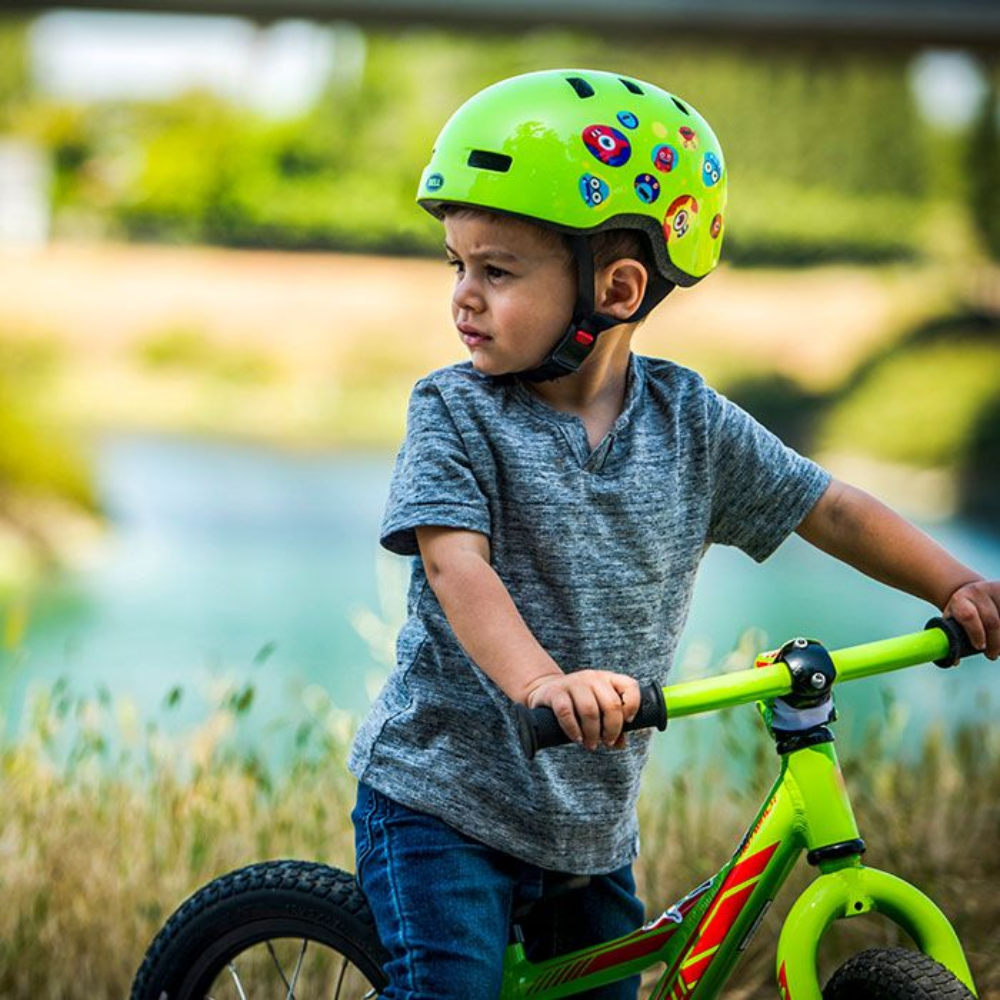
x: 591, y: 705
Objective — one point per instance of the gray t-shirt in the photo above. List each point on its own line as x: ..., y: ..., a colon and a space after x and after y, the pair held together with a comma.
x: 599, y: 550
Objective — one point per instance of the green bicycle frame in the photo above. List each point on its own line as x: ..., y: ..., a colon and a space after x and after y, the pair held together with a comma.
x: 700, y: 939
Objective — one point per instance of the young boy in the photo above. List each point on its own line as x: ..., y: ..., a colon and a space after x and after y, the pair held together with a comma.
x: 560, y: 492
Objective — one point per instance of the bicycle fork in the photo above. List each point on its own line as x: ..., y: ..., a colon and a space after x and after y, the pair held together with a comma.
x: 846, y: 888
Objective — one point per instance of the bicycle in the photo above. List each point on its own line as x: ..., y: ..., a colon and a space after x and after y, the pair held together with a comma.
x: 263, y: 918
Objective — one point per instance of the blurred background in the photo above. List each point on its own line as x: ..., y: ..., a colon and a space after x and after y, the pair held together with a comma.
x: 215, y: 293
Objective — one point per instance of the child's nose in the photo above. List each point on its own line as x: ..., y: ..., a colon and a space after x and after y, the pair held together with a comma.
x: 467, y: 295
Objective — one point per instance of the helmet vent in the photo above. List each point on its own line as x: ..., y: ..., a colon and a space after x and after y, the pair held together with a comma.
x: 582, y: 88
x: 631, y: 86
x: 679, y: 105
x: 485, y: 160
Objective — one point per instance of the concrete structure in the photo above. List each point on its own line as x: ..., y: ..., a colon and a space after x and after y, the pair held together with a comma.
x: 909, y: 23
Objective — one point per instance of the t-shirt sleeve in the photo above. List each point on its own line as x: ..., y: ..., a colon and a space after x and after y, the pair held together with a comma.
x: 433, y: 482
x: 761, y: 488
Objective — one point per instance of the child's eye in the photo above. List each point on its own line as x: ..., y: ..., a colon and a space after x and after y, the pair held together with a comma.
x: 495, y: 273
x: 456, y: 264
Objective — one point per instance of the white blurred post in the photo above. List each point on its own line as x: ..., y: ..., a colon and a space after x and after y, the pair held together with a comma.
x: 25, y: 215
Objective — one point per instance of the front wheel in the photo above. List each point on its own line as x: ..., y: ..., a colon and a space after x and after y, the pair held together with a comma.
x: 275, y: 929
x: 894, y: 974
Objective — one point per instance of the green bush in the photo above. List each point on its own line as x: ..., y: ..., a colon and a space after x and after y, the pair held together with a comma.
x: 983, y: 162
x: 15, y: 68
x: 827, y: 156
x: 186, y: 350
x: 920, y: 406
x: 979, y: 469
x: 774, y: 224
x: 36, y: 458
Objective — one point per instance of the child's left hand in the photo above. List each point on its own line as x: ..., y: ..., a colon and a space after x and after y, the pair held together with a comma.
x: 976, y: 607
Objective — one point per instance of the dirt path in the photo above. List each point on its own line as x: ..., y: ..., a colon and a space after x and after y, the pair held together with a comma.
x: 315, y: 310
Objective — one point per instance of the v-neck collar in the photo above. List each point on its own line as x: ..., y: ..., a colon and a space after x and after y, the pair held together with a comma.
x: 572, y: 427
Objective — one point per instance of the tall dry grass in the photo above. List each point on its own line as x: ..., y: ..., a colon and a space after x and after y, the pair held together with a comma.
x: 106, y: 825
x: 931, y: 817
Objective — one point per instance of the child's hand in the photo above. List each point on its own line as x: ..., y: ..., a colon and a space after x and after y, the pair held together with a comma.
x: 591, y: 705
x: 976, y: 607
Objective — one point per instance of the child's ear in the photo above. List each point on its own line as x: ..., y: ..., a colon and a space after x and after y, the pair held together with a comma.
x: 620, y: 288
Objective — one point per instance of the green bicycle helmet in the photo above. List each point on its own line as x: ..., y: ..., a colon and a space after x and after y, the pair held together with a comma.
x: 582, y: 151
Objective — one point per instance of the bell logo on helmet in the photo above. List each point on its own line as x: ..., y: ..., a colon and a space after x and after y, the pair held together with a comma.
x: 607, y: 144
x: 628, y: 119
x: 435, y: 182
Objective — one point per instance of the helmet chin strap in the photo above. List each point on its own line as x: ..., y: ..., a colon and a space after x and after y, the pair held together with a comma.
x: 587, y: 324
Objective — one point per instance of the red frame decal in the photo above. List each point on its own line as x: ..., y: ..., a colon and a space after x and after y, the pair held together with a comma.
x: 783, y: 983
x: 649, y: 938
x: 732, y: 897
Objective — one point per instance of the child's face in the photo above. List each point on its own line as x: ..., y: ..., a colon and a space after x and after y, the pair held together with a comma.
x: 514, y: 290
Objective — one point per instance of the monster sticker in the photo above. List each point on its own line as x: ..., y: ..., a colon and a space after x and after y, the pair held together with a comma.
x: 664, y: 158
x: 647, y: 187
x: 628, y: 119
x: 716, y: 226
x: 679, y: 217
x: 689, y: 138
x: 593, y: 190
x: 607, y: 144
x: 711, y: 170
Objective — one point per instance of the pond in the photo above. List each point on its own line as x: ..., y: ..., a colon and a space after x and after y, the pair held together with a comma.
x: 228, y: 563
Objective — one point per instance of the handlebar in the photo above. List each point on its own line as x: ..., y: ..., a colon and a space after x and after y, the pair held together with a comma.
x: 539, y: 728
x: 943, y: 642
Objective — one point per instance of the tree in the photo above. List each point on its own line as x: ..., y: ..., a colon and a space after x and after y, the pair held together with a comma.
x: 984, y: 168
x: 15, y: 73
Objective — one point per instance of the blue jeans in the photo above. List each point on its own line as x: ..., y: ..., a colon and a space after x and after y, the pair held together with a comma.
x: 442, y: 904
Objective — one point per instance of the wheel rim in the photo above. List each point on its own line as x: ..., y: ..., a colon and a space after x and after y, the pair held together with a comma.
x: 290, y: 962
x: 292, y: 969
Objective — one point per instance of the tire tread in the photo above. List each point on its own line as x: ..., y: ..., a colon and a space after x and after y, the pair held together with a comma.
x: 894, y: 974
x: 337, y: 890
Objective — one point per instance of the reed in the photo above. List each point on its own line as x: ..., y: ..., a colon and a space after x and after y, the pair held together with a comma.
x: 931, y: 816
x: 107, y: 823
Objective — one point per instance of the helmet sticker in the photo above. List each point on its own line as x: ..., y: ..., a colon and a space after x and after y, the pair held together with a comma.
x: 664, y: 158
x: 678, y: 219
x: 581, y: 150
x: 647, y: 187
x: 607, y: 144
x: 711, y: 170
x: 593, y: 190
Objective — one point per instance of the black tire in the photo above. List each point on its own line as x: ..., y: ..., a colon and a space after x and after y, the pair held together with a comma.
x: 262, y: 919
x: 893, y: 974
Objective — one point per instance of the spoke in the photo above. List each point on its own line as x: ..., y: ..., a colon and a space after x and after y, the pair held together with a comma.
x: 298, y: 969
x: 340, y: 978
x: 277, y: 965
x: 236, y: 980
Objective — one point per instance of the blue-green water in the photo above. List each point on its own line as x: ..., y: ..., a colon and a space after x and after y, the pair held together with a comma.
x: 228, y: 561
